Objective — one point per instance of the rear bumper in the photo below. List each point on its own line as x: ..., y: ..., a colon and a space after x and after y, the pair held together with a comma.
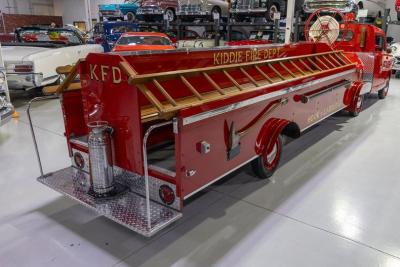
x: 5, y: 115
x: 127, y: 208
x: 249, y: 11
x: 150, y: 11
x: 24, y: 80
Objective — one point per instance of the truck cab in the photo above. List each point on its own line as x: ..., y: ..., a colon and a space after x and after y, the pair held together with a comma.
x: 370, y: 45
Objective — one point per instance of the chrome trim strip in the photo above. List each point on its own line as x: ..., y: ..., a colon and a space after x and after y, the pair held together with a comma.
x: 219, y: 177
x: 162, y: 170
x: 78, y: 141
x: 323, y: 118
x: 225, y: 109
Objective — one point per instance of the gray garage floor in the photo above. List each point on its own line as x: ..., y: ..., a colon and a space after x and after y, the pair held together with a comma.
x: 335, y: 201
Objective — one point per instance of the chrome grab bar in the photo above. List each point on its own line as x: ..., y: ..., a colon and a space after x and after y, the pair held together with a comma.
x: 146, y: 169
x: 28, y: 112
x: 306, y: 98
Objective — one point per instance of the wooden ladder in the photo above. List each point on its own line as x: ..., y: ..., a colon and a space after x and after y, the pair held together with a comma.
x: 272, y: 72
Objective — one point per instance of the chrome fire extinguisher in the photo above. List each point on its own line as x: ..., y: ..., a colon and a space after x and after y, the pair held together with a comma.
x: 101, y: 158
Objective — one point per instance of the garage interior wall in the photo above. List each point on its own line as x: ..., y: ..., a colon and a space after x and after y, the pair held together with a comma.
x: 80, y: 10
x: 31, y: 7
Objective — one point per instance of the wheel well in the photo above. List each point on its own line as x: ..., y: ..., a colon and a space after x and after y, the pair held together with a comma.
x: 171, y: 8
x: 276, y: 4
x: 291, y: 130
x: 216, y: 8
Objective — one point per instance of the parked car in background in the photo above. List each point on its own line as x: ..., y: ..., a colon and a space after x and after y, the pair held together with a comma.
x: 107, y: 33
x: 32, y: 61
x: 139, y: 41
x: 119, y: 11
x: 346, y: 6
x: 7, y: 38
x: 235, y: 35
x: 186, y: 35
x: 395, y: 47
x: 243, y: 9
x: 189, y: 10
x: 397, y: 8
x: 152, y: 10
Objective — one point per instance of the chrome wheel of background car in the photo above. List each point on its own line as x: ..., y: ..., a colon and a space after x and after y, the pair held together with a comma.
x: 267, y: 163
x: 270, y: 13
x: 170, y: 14
x: 215, y: 10
x: 131, y: 17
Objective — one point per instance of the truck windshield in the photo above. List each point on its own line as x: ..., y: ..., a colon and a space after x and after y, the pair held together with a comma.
x: 143, y: 40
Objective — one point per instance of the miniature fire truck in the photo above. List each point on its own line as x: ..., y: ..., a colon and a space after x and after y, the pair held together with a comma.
x: 147, y: 131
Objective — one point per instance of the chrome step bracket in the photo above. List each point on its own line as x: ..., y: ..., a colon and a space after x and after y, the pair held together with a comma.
x: 128, y: 209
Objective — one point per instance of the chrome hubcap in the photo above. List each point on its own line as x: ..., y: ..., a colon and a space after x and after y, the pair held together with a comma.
x: 271, y: 156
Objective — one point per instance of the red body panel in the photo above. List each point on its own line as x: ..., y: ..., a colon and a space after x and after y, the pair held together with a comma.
x: 106, y: 96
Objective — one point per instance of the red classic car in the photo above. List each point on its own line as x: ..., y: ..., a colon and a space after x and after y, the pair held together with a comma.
x: 397, y: 8
x: 137, y: 41
x: 156, y: 9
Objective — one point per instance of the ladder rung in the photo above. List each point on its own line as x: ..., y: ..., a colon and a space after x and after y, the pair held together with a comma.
x: 337, y: 56
x: 297, y: 68
x: 287, y: 70
x: 149, y: 95
x: 328, y: 61
x: 249, y: 77
x: 233, y: 80
x: 314, y: 64
x: 306, y: 65
x: 345, y: 59
x: 276, y: 72
x: 322, y: 63
x: 213, y: 83
x: 338, y: 64
x: 191, y: 88
x: 164, y: 93
x: 263, y: 74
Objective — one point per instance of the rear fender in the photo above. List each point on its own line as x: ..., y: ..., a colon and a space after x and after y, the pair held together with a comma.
x: 268, y: 133
x: 352, y: 94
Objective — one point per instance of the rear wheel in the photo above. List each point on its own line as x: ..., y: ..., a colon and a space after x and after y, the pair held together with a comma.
x: 131, y: 17
x: 266, y: 164
x: 398, y: 15
x: 359, y: 106
x: 383, y: 92
x: 170, y: 15
x: 271, y: 11
x: 215, y: 10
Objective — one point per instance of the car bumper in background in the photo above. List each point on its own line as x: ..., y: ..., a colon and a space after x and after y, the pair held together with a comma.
x: 24, y: 80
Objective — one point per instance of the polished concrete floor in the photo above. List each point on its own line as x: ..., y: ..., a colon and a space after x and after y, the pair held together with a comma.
x: 335, y: 201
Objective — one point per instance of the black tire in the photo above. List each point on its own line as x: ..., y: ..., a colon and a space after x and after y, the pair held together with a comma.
x: 398, y: 16
x: 170, y: 13
x: 259, y: 164
x: 383, y: 92
x: 269, y: 16
x: 130, y: 16
x: 215, y: 10
x: 360, y: 5
x: 359, y: 107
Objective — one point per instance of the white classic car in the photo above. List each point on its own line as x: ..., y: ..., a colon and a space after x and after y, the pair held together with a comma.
x: 32, y: 61
x: 395, y: 47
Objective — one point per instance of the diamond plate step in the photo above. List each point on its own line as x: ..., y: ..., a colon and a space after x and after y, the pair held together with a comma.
x: 128, y: 209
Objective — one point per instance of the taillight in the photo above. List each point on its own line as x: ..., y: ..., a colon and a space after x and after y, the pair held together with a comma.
x: 167, y: 195
x: 23, y: 68
x: 79, y: 160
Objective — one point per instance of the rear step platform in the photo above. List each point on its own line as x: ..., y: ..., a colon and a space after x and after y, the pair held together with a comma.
x: 128, y: 209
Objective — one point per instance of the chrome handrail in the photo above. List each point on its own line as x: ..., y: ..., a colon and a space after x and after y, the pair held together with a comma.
x: 28, y: 112
x: 146, y: 169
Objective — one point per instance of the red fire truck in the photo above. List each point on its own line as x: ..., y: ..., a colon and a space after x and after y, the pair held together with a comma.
x: 147, y: 131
